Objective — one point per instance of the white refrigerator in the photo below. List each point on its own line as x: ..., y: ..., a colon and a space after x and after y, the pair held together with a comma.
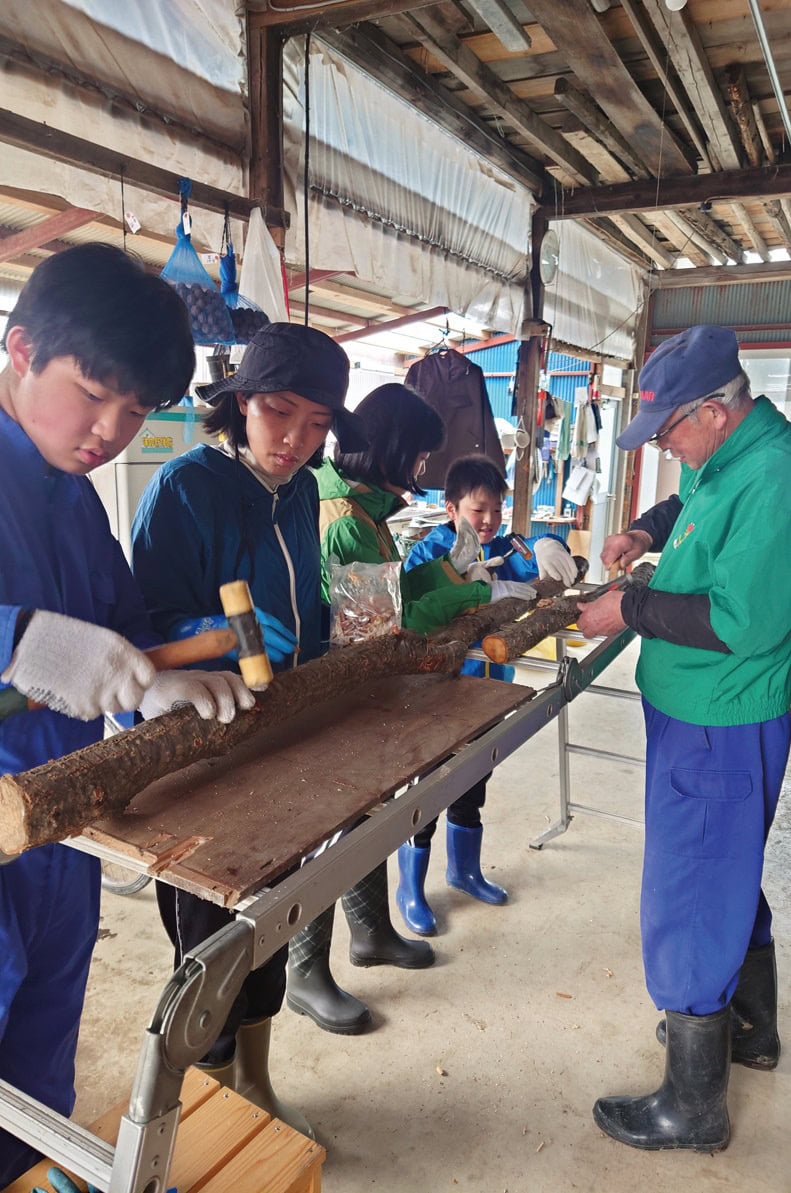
x: 120, y: 484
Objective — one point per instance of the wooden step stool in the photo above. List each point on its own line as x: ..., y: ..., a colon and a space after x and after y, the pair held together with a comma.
x: 224, y: 1144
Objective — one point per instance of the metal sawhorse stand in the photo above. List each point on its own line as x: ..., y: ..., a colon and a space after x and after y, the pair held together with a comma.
x: 196, y: 999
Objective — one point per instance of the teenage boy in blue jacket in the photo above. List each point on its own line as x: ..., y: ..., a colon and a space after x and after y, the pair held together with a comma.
x: 474, y: 490
x: 92, y: 345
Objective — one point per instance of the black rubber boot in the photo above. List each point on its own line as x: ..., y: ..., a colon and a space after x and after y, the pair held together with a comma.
x: 689, y: 1110
x: 312, y: 990
x: 754, y: 1038
x: 374, y: 940
x: 252, y: 1075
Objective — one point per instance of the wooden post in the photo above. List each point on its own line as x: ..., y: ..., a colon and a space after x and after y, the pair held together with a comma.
x: 528, y: 366
x: 265, y: 89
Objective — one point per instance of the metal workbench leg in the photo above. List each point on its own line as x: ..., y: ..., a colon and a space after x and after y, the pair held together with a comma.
x: 559, y: 826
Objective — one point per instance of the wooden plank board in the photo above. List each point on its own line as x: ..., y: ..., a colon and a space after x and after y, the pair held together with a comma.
x: 277, y: 1160
x: 226, y: 827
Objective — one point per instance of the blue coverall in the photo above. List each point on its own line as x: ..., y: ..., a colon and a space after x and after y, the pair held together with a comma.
x: 58, y: 554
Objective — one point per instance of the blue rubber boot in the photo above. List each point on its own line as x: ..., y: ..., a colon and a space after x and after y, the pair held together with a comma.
x: 410, y: 895
x: 464, y: 865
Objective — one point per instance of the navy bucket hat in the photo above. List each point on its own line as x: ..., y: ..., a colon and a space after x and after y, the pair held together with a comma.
x: 689, y: 365
x: 301, y: 360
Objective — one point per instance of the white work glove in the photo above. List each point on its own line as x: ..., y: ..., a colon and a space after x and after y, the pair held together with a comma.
x: 77, y: 668
x: 214, y: 694
x: 512, y: 588
x: 479, y: 571
x: 464, y: 551
x: 555, y: 562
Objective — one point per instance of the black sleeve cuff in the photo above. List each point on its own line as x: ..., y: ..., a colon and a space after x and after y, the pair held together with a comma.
x: 676, y: 617
x: 22, y: 622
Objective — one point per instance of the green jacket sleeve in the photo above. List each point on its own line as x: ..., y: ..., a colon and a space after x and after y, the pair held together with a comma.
x: 433, y: 594
x: 350, y: 541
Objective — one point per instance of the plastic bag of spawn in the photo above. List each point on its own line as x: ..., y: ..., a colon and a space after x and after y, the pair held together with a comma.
x: 365, y: 601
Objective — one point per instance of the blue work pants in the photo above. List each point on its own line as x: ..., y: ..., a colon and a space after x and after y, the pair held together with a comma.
x: 711, y: 795
x: 49, y: 916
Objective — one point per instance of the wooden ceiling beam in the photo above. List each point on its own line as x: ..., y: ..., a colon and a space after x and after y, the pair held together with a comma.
x: 391, y: 324
x: 502, y: 22
x: 756, y: 239
x: 579, y: 34
x: 359, y: 298
x: 436, y: 35
x: 678, y: 279
x: 703, y: 242
x: 742, y: 110
x: 657, y: 56
x: 37, y: 137
x: 367, y: 48
x: 606, y: 231
x: 48, y: 229
x: 679, y: 34
x: 702, y: 222
x: 667, y: 192
x: 635, y: 230
x: 777, y: 215
x: 342, y: 317
x: 296, y: 281
x: 335, y: 14
x: 594, y: 120
x: 680, y: 241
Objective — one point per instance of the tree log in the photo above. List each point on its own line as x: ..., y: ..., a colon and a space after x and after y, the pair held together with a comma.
x: 511, y: 641
x: 59, y: 798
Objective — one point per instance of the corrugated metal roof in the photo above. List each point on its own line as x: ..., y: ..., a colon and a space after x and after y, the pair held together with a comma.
x: 758, y: 312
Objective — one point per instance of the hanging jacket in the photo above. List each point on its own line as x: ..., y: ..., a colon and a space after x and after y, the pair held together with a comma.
x: 354, y: 530
x: 440, y: 540
x: 455, y: 387
x: 58, y: 554
x: 204, y: 519
x: 729, y: 547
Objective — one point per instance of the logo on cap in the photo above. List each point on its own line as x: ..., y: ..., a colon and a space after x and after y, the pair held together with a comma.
x: 647, y: 395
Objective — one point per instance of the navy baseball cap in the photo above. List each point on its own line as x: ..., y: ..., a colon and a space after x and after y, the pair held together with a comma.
x: 690, y: 365
x: 301, y: 360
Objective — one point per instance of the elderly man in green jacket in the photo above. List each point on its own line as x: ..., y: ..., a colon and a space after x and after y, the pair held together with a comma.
x: 715, y: 673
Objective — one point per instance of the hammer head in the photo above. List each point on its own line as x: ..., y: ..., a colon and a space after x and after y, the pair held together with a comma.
x: 237, y: 604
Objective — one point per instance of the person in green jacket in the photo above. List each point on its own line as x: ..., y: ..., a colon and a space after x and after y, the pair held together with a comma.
x: 358, y: 492
x: 715, y: 673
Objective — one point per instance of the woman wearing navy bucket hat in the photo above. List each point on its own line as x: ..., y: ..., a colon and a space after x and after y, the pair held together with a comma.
x: 247, y: 508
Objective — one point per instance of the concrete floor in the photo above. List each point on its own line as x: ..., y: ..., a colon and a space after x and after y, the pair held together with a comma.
x: 480, y: 1073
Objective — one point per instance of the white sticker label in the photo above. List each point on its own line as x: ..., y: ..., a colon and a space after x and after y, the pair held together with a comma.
x: 186, y: 223
x: 133, y: 222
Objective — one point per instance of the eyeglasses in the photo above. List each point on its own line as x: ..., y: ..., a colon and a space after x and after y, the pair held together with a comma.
x: 664, y: 434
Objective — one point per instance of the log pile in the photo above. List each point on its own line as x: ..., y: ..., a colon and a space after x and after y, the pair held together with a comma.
x: 59, y: 798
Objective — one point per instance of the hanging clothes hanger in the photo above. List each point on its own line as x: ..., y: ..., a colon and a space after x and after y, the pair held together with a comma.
x: 442, y: 344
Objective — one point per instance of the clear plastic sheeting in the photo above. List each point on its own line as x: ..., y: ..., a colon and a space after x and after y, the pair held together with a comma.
x: 399, y: 202
x: 596, y: 298
x: 167, y: 88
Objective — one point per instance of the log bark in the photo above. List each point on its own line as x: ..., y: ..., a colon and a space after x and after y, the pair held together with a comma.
x: 59, y: 798
x: 511, y: 641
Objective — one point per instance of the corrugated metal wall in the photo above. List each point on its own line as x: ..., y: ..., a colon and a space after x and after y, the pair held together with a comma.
x: 759, y: 312
x: 499, y: 369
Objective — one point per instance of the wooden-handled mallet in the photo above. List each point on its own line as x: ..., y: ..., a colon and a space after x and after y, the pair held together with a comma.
x: 212, y: 644
x: 237, y: 605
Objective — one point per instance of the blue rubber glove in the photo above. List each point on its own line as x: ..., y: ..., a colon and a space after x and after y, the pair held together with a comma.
x: 62, y: 1183
x: 280, y: 643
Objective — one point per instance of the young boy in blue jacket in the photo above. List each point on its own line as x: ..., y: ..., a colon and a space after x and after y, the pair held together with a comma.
x: 474, y: 490
x: 92, y: 345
